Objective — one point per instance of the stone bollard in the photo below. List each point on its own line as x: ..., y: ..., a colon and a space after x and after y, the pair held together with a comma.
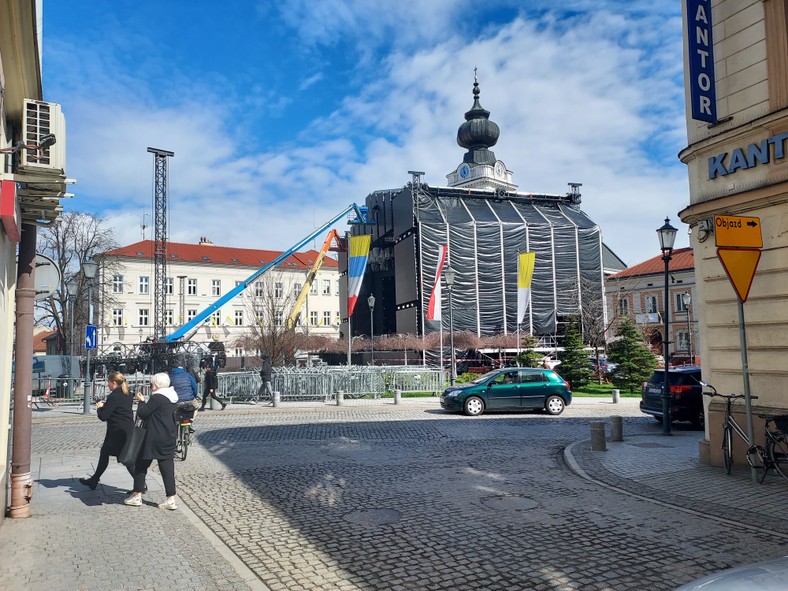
x: 340, y: 398
x: 397, y: 396
x: 616, y: 428
x: 276, y: 398
x: 615, y: 393
x: 598, y: 436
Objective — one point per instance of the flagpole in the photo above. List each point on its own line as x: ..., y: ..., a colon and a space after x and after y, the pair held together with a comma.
x: 349, y: 340
x: 518, y: 344
x: 442, y: 344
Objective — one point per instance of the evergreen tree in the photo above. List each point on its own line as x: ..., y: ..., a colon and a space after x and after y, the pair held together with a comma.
x: 529, y: 356
x: 574, y: 359
x: 635, y: 361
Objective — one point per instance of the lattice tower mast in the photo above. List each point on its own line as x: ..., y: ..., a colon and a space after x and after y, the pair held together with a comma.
x: 160, y: 187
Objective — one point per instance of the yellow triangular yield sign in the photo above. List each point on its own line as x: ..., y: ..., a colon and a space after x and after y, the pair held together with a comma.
x: 740, y: 265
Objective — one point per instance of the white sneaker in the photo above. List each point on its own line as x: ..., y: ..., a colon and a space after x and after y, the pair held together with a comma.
x: 170, y: 505
x: 133, y: 501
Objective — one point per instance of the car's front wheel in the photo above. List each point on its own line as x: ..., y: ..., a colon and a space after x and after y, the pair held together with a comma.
x: 474, y: 406
x: 554, y: 405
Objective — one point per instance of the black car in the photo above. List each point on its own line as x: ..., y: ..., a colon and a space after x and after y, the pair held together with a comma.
x: 686, y: 395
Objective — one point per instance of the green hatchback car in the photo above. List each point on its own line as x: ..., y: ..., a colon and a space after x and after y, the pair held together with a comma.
x: 510, y: 388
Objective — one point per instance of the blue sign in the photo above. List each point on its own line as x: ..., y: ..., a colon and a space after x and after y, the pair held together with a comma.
x: 91, y: 337
x: 700, y: 45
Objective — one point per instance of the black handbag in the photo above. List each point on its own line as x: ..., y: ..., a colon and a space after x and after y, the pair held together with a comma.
x: 131, y: 450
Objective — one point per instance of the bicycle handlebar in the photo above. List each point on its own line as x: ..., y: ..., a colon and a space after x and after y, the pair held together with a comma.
x: 728, y: 396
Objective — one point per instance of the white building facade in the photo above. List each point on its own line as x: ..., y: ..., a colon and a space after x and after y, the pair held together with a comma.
x: 197, y: 276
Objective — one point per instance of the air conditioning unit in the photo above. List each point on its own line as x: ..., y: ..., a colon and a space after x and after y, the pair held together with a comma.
x: 41, y: 119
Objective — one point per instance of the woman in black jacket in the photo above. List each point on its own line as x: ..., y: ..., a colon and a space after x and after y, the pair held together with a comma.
x: 116, y: 412
x: 158, y: 415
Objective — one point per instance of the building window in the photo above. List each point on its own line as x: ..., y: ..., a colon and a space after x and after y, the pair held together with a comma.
x: 144, y: 284
x: 337, y: 319
x: 117, y: 284
x: 191, y: 287
x: 190, y: 314
x: 216, y: 318
x: 216, y: 287
x: 279, y: 289
x: 259, y: 316
x: 651, y: 304
x: 169, y: 285
x: 313, y: 288
x: 680, y: 305
x: 326, y: 318
x: 313, y: 318
x: 168, y: 317
x: 623, y: 307
x: 117, y: 317
x: 296, y: 288
x: 239, y: 318
x: 682, y: 341
x: 279, y: 318
x: 143, y: 316
x: 258, y: 289
x: 326, y: 287
x: 239, y: 352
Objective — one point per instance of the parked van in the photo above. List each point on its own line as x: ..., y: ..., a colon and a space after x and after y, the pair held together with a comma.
x: 60, y: 374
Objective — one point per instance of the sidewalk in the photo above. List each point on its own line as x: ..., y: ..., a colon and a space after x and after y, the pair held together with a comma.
x: 666, y: 470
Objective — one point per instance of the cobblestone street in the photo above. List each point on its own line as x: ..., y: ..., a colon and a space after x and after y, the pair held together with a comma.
x: 410, y: 498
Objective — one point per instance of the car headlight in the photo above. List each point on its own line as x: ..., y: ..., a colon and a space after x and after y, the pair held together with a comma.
x: 451, y: 393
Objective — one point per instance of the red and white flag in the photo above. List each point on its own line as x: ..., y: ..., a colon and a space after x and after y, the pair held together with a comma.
x: 434, y: 306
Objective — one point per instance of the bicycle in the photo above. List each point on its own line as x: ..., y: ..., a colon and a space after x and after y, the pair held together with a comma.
x: 775, y: 455
x: 730, y: 426
x: 185, y: 418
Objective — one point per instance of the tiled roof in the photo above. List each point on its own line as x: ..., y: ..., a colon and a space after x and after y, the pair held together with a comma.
x: 683, y: 260
x: 39, y: 340
x: 220, y: 255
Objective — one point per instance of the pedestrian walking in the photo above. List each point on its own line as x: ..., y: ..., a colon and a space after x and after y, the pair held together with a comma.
x: 116, y: 412
x: 210, y: 385
x: 158, y: 414
x: 265, y: 376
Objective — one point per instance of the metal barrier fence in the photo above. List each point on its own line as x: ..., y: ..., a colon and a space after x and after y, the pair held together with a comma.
x: 295, y: 384
x: 323, y: 383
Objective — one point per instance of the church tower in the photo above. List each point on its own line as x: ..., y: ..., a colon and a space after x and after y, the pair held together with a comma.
x: 479, y: 168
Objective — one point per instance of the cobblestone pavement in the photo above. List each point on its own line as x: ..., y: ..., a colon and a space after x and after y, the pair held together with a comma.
x: 384, y: 497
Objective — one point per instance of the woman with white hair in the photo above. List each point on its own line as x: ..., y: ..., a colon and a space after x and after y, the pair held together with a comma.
x: 158, y: 413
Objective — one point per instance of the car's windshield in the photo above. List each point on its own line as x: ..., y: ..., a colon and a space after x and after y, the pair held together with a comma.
x: 484, y: 377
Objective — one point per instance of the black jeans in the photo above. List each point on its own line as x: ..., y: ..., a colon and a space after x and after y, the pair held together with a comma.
x: 103, y: 463
x: 211, y: 394
x: 167, y: 469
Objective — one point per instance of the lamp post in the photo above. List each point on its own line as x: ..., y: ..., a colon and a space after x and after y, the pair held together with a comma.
x: 667, y: 236
x: 450, y: 275
x: 89, y: 270
x: 71, y: 287
x: 687, y: 299
x: 371, y: 302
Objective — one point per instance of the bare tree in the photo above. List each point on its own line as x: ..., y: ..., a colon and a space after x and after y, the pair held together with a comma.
x: 269, y: 301
x: 73, y: 238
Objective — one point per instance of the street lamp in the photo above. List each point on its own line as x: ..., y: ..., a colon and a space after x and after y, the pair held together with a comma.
x: 451, y: 275
x: 89, y: 270
x: 687, y: 299
x: 71, y: 287
x: 667, y: 236
x: 371, y: 302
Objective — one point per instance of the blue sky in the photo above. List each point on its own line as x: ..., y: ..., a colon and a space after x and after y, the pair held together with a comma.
x: 282, y: 114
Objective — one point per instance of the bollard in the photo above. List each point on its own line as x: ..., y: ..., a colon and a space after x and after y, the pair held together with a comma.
x: 276, y: 398
x: 616, y: 428
x: 397, y: 396
x: 598, y: 436
x: 340, y: 398
x: 615, y: 393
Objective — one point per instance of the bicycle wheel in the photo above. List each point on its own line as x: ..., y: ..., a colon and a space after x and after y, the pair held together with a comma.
x: 778, y: 455
x: 184, y: 441
x: 727, y: 447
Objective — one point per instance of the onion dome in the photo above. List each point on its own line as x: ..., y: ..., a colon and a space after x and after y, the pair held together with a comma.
x: 478, y: 133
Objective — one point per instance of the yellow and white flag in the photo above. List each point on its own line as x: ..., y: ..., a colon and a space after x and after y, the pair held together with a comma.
x: 525, y: 272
